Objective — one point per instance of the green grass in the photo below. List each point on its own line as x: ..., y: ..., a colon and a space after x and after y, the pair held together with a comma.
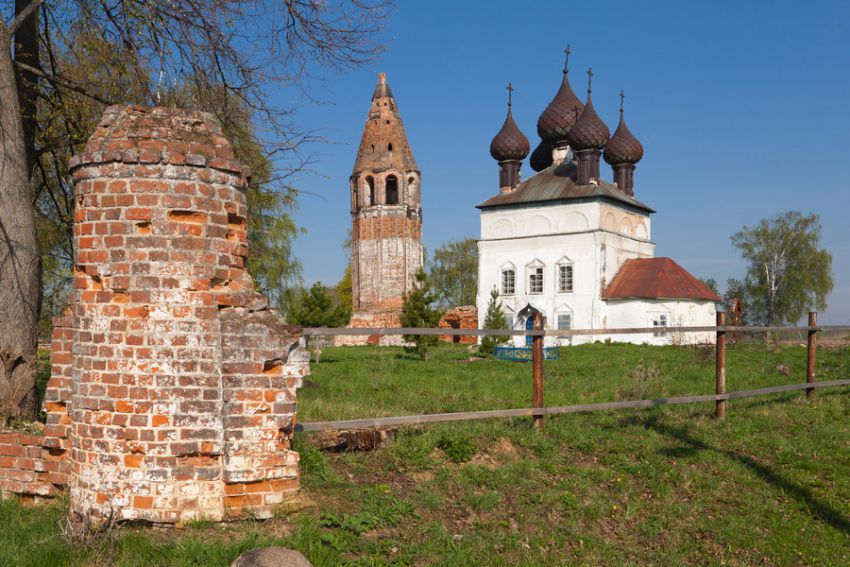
x: 769, y: 485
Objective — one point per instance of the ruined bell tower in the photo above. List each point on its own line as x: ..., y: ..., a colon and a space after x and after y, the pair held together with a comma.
x: 386, y: 216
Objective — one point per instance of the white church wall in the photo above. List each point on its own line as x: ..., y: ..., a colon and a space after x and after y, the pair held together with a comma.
x: 668, y: 314
x: 595, y: 238
x: 526, y: 238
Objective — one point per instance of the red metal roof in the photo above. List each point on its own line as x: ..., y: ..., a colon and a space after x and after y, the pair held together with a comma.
x: 656, y: 278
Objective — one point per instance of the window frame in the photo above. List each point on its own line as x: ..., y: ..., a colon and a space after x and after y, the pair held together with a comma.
x: 536, y: 276
x: 659, y: 320
x: 572, y: 277
x: 502, y: 287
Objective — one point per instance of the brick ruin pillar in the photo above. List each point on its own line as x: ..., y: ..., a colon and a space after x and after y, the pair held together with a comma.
x: 183, y: 390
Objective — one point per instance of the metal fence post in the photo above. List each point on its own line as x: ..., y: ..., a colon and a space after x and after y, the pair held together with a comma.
x: 537, y: 370
x: 720, y: 377
x: 812, y: 353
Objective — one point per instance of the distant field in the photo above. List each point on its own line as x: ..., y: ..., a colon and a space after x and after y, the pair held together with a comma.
x: 770, y: 485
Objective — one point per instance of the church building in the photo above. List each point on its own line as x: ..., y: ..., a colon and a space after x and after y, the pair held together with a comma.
x: 386, y: 219
x: 574, y: 246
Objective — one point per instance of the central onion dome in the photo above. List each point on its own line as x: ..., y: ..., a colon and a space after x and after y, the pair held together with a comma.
x: 623, y: 147
x: 588, y: 132
x: 510, y: 143
x: 562, y: 112
x: 541, y: 157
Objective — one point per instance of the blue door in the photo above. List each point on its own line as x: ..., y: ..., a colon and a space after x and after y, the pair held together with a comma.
x: 529, y: 325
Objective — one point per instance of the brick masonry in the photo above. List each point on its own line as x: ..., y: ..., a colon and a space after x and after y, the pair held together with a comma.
x: 174, y: 385
x: 386, y: 214
x: 461, y: 317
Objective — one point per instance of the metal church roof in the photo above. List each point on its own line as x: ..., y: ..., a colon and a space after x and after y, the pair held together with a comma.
x: 656, y: 278
x: 558, y: 183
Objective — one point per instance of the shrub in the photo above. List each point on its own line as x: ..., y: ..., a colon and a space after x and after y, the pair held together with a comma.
x: 459, y: 447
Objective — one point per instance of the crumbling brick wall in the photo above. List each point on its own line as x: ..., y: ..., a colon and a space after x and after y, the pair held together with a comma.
x: 34, y: 464
x: 461, y: 317
x: 183, y: 395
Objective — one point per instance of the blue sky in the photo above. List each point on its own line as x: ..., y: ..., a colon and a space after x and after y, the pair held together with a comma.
x: 743, y: 109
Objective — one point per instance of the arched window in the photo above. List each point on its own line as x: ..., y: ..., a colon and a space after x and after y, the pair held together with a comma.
x: 565, y: 275
x: 389, y: 147
x: 508, y: 279
x: 534, y: 271
x: 370, y: 182
x: 392, y: 190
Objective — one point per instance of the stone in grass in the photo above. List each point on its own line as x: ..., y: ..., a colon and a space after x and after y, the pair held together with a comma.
x: 271, y: 557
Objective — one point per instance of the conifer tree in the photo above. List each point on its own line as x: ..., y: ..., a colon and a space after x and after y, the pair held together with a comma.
x: 317, y: 309
x: 493, y: 319
x: 418, y: 312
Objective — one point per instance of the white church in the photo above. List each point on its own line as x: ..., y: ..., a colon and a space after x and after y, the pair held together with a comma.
x: 575, y: 247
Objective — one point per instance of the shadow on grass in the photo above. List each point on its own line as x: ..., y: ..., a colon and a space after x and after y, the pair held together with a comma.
x: 692, y: 445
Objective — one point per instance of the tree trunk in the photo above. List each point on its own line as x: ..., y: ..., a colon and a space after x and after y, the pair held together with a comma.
x: 20, y: 274
x: 26, y: 51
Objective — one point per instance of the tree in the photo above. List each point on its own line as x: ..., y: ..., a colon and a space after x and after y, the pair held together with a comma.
x: 788, y: 271
x: 454, y: 272
x: 418, y: 312
x: 493, y: 319
x: 64, y: 60
x: 345, y: 294
x: 711, y: 284
x: 317, y: 309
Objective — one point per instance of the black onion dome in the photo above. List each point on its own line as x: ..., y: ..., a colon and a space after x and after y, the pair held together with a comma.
x: 589, y: 132
x: 541, y: 157
x: 560, y: 115
x: 623, y: 147
x: 510, y: 143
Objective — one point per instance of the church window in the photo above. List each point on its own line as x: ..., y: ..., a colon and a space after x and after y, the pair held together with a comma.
x: 370, y: 182
x: 389, y: 147
x: 565, y: 321
x: 659, y: 321
x: 509, y: 320
x: 565, y: 278
x: 508, y: 281
x: 392, y: 190
x: 535, y: 280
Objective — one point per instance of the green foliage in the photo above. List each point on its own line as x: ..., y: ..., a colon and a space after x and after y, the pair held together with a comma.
x: 317, y: 309
x: 314, y: 465
x: 788, y: 272
x: 493, y: 319
x: 354, y: 523
x: 458, y: 446
x: 711, y: 284
x: 418, y: 312
x: 345, y: 294
x: 454, y: 272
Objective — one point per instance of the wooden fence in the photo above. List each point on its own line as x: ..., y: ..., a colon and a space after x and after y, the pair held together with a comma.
x: 539, y: 410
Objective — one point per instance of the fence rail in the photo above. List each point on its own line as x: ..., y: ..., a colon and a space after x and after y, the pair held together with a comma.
x: 351, y: 331
x: 555, y: 410
x: 720, y: 397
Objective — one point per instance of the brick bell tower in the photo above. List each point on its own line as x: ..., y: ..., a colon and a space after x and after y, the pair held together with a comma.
x: 386, y: 216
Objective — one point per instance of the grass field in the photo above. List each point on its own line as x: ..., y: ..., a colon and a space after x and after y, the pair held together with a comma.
x: 769, y: 485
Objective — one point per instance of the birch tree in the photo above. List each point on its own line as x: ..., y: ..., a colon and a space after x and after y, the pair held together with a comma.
x: 788, y: 272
